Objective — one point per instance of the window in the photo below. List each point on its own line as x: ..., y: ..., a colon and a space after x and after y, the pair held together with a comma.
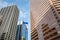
x: 55, y: 14
x: 59, y: 13
x: 0, y: 22
x: 2, y: 36
x: 56, y: 17
x: 58, y: 21
x: 59, y: 24
x: 53, y: 11
x: 42, y: 24
x: 52, y: 8
x: 58, y: 9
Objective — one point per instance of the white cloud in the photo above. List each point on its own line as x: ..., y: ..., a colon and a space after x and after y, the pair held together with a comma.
x: 23, y: 14
x: 4, y: 4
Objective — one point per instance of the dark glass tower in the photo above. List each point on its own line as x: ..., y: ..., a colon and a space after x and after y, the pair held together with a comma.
x: 22, y: 32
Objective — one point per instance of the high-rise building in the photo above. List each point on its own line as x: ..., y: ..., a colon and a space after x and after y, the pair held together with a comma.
x: 56, y: 8
x: 45, y: 19
x: 22, y: 32
x: 8, y: 22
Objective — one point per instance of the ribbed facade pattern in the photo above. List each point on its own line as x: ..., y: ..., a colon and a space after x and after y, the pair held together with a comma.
x: 34, y: 35
x: 50, y: 33
x: 45, y: 12
x: 56, y: 6
x: 38, y: 9
x: 9, y: 22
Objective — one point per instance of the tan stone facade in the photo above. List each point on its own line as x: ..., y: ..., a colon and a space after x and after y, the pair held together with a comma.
x: 56, y: 7
x: 45, y: 12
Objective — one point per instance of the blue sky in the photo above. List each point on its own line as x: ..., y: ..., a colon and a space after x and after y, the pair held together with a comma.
x: 24, y: 10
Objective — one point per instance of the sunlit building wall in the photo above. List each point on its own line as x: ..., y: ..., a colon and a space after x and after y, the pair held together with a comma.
x: 56, y: 7
x: 38, y: 9
x: 43, y: 12
x: 9, y: 22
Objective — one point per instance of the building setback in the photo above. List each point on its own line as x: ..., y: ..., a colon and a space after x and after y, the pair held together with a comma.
x: 9, y: 22
x: 45, y: 20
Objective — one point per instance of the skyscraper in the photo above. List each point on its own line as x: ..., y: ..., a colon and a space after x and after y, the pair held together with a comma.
x: 56, y: 7
x: 45, y: 19
x: 8, y: 22
x: 22, y: 32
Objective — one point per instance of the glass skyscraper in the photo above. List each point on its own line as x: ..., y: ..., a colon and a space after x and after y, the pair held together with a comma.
x: 22, y: 32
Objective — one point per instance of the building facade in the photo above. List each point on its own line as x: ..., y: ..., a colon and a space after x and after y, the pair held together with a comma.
x: 0, y: 19
x: 45, y: 19
x: 22, y: 32
x: 9, y: 22
x: 56, y: 8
